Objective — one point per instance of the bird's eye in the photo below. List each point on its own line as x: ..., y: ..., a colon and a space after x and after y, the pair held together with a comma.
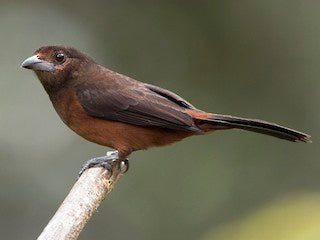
x: 59, y: 57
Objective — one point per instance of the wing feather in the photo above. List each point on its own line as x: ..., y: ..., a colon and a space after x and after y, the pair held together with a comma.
x: 136, y: 103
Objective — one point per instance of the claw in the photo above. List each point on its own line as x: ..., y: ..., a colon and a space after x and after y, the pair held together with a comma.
x: 124, y: 166
x: 106, y: 162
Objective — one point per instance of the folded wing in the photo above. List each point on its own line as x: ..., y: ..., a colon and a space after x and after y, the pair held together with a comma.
x: 136, y: 103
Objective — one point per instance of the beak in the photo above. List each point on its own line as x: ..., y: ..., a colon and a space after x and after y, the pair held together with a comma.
x: 35, y: 63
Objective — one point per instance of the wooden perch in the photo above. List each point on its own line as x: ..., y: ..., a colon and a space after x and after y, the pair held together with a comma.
x: 81, y: 202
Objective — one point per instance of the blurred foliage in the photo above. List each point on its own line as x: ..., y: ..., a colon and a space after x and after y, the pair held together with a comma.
x: 255, y: 59
x: 292, y: 217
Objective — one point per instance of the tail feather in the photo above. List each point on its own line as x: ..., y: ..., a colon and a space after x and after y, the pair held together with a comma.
x: 217, y: 121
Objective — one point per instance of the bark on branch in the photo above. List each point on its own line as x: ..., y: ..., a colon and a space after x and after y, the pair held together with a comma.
x: 81, y: 202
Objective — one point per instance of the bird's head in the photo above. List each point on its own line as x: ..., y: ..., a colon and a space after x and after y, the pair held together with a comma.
x: 54, y: 65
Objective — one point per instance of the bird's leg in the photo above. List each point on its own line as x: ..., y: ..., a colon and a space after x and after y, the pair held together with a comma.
x: 108, y: 162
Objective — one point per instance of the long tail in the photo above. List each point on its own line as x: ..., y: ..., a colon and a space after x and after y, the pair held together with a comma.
x: 218, y: 121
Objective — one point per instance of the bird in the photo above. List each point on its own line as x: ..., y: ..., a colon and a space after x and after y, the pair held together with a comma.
x: 114, y: 110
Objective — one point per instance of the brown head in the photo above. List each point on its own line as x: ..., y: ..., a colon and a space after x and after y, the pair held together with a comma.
x: 54, y: 65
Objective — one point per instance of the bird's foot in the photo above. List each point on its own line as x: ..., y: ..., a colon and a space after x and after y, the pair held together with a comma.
x: 109, y: 161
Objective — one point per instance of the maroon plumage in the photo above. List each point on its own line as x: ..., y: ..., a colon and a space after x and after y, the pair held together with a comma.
x: 114, y: 110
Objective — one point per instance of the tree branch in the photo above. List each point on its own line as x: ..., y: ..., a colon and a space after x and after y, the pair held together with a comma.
x: 81, y: 202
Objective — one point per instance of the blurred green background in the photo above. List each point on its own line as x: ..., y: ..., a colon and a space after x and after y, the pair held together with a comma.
x: 256, y: 59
